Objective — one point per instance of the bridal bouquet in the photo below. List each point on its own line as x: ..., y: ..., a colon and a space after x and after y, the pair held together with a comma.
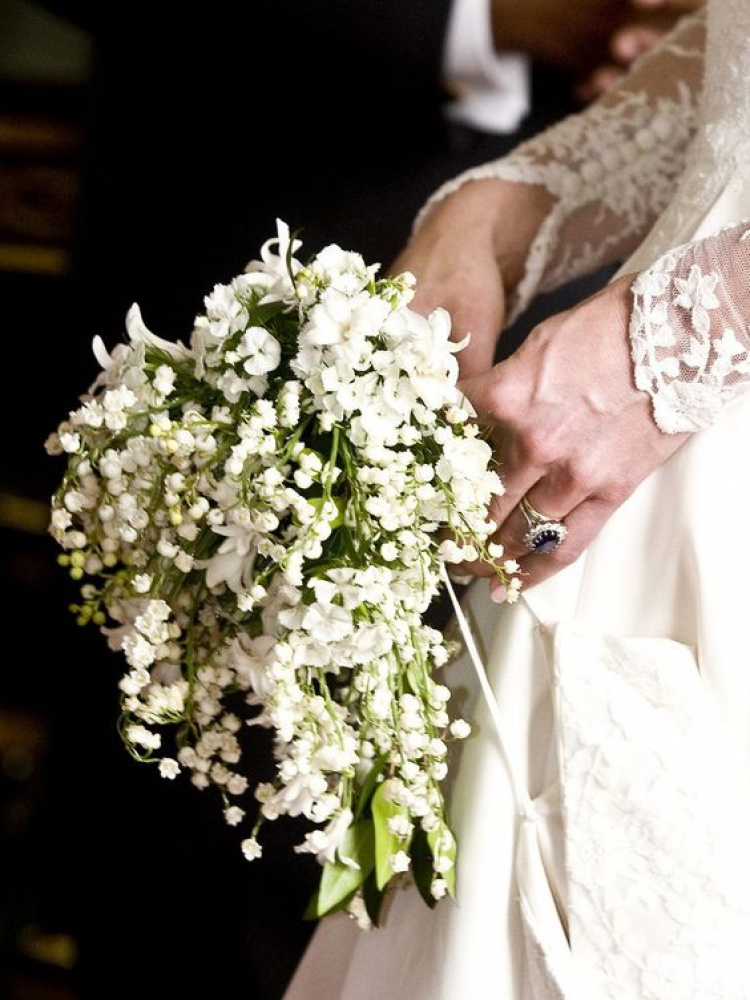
x: 259, y: 521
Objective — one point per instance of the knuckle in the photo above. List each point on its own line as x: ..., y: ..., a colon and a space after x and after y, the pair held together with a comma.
x: 616, y: 493
x: 580, y: 472
x: 547, y: 328
x: 502, y: 398
x: 539, y: 447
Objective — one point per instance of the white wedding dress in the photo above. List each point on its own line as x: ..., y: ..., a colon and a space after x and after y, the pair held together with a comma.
x: 623, y: 681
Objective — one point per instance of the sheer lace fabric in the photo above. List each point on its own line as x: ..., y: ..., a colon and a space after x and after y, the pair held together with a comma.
x: 617, y: 174
x: 612, y: 169
x: 712, y: 191
x: 689, y: 331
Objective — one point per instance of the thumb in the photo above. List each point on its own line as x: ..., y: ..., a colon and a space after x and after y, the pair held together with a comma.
x: 481, y: 389
x: 481, y: 321
x: 476, y: 358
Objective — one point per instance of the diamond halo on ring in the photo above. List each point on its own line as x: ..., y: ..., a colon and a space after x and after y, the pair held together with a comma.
x: 545, y: 533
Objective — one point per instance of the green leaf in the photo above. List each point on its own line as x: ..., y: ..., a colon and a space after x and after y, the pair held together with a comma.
x: 265, y: 312
x: 363, y: 798
x: 338, y: 881
x: 317, y: 503
x: 421, y: 866
x: 373, y: 897
x: 311, y: 910
x: 386, y: 844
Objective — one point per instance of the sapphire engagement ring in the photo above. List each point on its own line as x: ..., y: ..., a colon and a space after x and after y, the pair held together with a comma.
x: 544, y: 533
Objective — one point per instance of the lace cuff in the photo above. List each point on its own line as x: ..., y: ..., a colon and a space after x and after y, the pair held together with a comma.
x: 611, y: 169
x: 689, y: 330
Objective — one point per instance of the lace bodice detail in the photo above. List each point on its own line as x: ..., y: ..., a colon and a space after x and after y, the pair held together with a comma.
x: 612, y: 168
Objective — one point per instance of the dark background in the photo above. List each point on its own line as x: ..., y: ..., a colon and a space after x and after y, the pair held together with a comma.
x: 144, y: 161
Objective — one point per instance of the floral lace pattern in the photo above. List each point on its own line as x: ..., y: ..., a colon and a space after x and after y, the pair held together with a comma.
x: 690, y: 341
x: 658, y: 876
x: 612, y: 168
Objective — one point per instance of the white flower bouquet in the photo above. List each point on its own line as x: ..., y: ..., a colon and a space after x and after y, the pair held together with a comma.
x: 259, y: 522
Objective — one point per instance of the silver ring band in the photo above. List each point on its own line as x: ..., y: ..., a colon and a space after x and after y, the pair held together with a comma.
x: 544, y: 533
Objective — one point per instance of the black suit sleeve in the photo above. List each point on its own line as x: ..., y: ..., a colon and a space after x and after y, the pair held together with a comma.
x: 396, y: 39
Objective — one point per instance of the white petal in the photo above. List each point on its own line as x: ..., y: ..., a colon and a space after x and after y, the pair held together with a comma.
x: 139, y: 332
x: 101, y: 353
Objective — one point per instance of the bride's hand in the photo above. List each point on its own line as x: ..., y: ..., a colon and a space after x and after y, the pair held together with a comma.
x: 572, y: 433
x: 469, y: 250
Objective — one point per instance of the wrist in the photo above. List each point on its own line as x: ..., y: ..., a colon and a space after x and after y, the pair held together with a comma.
x: 490, y: 216
x: 511, y: 215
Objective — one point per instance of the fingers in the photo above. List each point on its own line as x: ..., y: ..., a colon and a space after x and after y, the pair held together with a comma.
x: 475, y: 300
x: 597, y: 82
x: 669, y: 6
x: 543, y: 461
x: 489, y: 392
x: 583, y: 524
x: 513, y: 530
x: 632, y: 40
x: 505, y: 511
x: 647, y: 23
x: 560, y: 483
x: 478, y: 355
x: 550, y: 502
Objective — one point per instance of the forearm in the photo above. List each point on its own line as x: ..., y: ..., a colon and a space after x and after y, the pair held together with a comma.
x: 465, y: 261
x: 497, y: 215
x: 607, y: 172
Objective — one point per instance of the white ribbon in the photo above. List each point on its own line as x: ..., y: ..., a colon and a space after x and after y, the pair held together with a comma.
x: 525, y: 804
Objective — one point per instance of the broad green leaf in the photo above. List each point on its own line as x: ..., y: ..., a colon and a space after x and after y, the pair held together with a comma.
x: 386, y: 844
x: 338, y: 881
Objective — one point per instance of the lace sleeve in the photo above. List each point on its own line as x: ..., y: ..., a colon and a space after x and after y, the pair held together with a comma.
x: 611, y: 168
x: 690, y: 329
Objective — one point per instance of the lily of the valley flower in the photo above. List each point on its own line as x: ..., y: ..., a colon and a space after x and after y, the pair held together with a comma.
x: 258, y: 523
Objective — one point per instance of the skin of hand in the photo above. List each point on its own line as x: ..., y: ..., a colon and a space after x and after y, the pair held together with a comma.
x: 464, y: 261
x: 570, y: 430
x: 576, y: 37
x: 568, y: 426
x: 645, y: 23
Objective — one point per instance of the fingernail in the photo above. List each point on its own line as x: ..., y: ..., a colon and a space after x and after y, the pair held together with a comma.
x: 499, y: 593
